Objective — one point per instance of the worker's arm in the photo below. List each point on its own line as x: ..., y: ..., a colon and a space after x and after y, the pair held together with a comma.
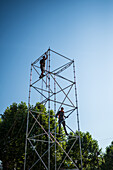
x: 46, y: 56
x: 57, y: 114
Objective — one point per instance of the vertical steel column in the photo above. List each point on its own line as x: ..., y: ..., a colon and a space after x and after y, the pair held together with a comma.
x: 55, y: 118
x: 42, y: 91
x: 49, y: 114
x: 47, y: 70
x: 28, y: 118
x: 77, y: 114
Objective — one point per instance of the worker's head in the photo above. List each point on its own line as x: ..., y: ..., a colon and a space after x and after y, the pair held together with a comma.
x: 62, y: 108
x: 44, y: 57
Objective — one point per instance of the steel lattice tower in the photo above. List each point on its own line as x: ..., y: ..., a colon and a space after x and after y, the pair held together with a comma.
x: 55, y: 90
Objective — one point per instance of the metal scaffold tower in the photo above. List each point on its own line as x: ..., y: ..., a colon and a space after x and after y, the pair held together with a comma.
x: 51, y: 92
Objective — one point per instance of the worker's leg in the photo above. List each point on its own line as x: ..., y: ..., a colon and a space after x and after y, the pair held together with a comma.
x: 43, y: 70
x: 59, y: 126
x: 64, y: 127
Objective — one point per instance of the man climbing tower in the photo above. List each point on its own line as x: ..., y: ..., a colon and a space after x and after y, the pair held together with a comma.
x: 42, y: 65
x: 61, y: 116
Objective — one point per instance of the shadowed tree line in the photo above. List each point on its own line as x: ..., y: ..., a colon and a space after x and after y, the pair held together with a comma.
x: 12, y: 143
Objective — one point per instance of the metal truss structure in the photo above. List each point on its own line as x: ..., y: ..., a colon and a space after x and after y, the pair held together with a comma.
x: 55, y: 90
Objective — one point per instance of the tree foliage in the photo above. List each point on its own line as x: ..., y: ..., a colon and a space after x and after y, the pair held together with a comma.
x: 13, y: 134
x: 108, y: 158
x: 90, y: 151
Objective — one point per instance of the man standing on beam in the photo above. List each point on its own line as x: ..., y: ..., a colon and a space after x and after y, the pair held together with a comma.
x: 42, y: 65
x: 61, y: 120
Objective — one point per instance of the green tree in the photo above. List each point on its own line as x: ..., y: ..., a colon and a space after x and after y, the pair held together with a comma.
x: 12, y: 135
x: 90, y: 151
x: 108, y: 158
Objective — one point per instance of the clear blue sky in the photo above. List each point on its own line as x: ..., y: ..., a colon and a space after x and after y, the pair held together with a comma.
x: 79, y: 29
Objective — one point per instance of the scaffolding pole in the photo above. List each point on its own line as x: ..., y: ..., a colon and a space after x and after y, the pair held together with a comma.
x: 77, y: 116
x: 55, y: 121
x: 28, y: 118
x: 49, y: 115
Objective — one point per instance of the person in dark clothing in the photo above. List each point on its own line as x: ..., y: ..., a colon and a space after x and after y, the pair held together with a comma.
x: 61, y: 120
x: 42, y: 65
